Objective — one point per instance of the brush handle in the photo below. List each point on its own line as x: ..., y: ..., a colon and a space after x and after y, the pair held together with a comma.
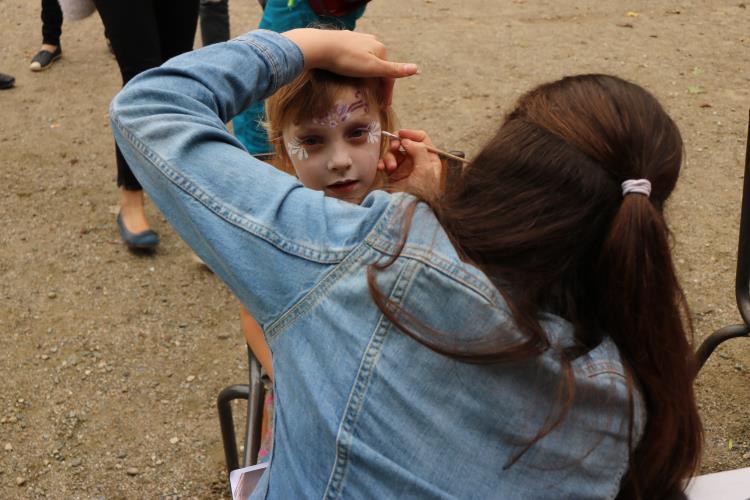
x: 431, y: 149
x: 446, y: 154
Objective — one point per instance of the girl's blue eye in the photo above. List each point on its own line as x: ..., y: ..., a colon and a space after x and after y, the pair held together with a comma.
x: 311, y: 141
x: 358, y: 133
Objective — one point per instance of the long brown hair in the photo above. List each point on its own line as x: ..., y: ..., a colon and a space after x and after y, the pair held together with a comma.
x: 541, y: 211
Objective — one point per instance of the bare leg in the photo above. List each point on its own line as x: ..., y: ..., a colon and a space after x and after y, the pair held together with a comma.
x: 132, y: 210
x: 254, y: 338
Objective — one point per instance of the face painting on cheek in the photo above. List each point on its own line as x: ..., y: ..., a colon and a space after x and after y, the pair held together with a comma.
x: 373, y: 133
x: 295, y: 148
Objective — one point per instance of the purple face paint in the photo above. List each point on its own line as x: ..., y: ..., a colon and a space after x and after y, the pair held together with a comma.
x: 341, y: 112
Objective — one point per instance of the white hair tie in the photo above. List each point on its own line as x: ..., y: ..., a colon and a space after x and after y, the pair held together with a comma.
x: 640, y: 186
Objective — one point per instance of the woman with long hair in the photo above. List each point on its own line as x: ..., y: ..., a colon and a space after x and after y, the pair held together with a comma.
x: 519, y: 335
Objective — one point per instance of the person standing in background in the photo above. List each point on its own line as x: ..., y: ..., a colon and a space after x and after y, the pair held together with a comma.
x: 214, y: 21
x: 144, y: 34
x: 51, y: 51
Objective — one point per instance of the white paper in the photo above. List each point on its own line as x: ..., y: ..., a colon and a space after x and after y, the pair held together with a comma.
x: 726, y: 485
x: 244, y: 480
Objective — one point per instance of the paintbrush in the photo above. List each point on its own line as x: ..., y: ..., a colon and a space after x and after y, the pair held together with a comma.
x: 431, y: 149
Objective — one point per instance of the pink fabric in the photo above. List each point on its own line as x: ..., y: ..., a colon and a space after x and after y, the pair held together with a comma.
x: 267, y: 440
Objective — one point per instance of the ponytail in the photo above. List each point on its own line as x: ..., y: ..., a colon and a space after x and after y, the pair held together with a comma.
x: 541, y: 211
x: 642, y: 308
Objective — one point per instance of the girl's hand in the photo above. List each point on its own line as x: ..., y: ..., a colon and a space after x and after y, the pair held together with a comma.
x: 350, y: 54
x: 410, y: 167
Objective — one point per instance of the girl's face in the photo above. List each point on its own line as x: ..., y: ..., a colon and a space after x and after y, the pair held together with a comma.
x: 337, y: 153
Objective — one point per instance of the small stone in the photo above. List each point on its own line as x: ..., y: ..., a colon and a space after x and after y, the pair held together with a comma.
x: 20, y: 481
x: 132, y: 471
x: 122, y: 454
x: 76, y: 462
x: 222, y: 336
x: 174, y: 440
x: 51, y: 295
x: 8, y: 447
x: 45, y: 357
x: 191, y: 378
x: 746, y: 455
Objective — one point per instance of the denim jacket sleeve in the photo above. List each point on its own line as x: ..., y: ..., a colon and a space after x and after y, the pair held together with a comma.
x: 266, y: 236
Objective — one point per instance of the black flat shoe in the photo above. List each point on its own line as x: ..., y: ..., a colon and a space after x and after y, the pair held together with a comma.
x: 44, y: 59
x: 145, y: 240
x: 6, y: 81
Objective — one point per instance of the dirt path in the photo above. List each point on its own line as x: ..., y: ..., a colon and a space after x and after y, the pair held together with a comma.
x: 110, y: 363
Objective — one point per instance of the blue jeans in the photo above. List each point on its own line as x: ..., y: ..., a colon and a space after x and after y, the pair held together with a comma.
x: 279, y: 17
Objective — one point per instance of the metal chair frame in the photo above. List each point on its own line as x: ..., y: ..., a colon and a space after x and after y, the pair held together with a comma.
x: 254, y: 393
x: 742, y: 276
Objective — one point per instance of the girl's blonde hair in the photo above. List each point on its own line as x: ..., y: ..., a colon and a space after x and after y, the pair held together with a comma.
x: 311, y: 95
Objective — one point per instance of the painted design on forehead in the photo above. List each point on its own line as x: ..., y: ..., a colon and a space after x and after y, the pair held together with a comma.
x: 373, y: 132
x: 295, y: 147
x: 341, y: 112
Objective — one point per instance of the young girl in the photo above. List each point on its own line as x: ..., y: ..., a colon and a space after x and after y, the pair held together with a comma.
x: 326, y: 130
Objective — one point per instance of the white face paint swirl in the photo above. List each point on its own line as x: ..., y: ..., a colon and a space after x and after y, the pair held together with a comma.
x: 373, y: 133
x: 294, y: 148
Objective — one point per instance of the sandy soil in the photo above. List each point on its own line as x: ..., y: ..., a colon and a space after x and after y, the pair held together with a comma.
x: 111, y: 362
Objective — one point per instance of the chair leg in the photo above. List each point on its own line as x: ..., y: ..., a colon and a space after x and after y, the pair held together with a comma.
x: 223, y: 404
x: 256, y: 394
x: 712, y: 341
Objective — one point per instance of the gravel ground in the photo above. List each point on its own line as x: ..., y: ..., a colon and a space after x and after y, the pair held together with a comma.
x: 111, y: 362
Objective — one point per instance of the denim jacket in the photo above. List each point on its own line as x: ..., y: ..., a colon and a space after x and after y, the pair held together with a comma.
x: 363, y: 410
